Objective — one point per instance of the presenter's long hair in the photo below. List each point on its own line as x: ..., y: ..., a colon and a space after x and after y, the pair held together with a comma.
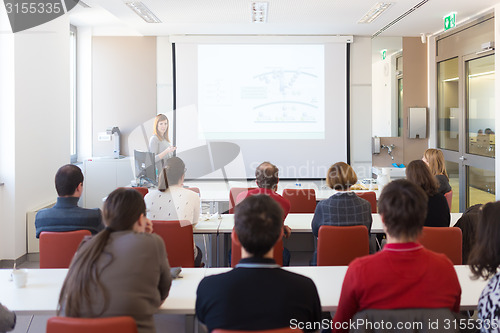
x: 122, y: 208
x: 161, y: 117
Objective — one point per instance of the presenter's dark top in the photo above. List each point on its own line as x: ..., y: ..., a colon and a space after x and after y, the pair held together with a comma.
x: 257, y: 295
x: 67, y: 216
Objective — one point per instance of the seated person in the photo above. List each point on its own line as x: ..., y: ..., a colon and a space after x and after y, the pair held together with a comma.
x: 121, y: 271
x: 343, y: 208
x: 403, y: 274
x: 66, y: 215
x: 438, y: 210
x: 484, y: 262
x: 266, y: 178
x: 434, y: 159
x: 171, y: 201
x: 257, y: 294
x: 7, y: 319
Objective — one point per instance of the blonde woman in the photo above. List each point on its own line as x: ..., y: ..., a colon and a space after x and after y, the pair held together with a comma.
x: 159, y: 143
x: 435, y: 161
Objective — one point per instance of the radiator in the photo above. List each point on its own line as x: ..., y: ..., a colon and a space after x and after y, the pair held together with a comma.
x: 31, y: 240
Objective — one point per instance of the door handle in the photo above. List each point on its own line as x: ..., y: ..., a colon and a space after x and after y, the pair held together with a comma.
x: 462, y: 158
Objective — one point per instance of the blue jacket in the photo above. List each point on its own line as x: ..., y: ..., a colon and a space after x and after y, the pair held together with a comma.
x: 67, y: 216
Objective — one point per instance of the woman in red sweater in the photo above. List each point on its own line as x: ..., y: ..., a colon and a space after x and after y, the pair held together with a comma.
x: 404, y: 274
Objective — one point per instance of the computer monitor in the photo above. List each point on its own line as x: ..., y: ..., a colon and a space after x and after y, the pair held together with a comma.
x: 145, y: 169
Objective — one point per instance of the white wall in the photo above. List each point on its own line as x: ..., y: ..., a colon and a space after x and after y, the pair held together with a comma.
x: 361, y: 106
x: 84, y: 92
x: 36, y: 124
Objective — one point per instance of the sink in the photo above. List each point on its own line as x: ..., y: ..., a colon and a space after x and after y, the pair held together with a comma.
x: 394, y: 172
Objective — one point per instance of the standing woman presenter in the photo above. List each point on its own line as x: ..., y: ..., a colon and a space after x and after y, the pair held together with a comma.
x: 159, y: 143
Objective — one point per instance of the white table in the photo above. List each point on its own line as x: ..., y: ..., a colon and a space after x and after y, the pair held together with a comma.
x: 40, y: 296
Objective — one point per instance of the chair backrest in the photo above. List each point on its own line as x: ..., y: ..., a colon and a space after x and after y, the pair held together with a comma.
x: 94, y: 325
x: 446, y: 240
x: 142, y: 190
x: 58, y: 248
x: 194, y: 189
x: 371, y: 197
x: 339, y: 245
x: 233, y: 194
x: 236, y: 250
x: 449, y: 196
x: 178, y: 239
x: 276, y: 330
x: 301, y: 200
x: 407, y: 320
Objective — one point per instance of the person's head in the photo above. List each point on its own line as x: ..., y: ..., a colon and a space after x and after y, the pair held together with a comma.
x: 258, y: 223
x: 341, y: 176
x: 172, y: 174
x: 124, y: 209
x: 484, y: 259
x: 403, y: 208
x: 161, y: 127
x: 434, y: 158
x: 419, y: 173
x: 266, y: 176
x: 68, y: 178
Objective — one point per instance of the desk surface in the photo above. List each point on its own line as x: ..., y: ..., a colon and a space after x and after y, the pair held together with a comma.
x: 219, y: 190
x: 302, y: 222
x: 41, y: 294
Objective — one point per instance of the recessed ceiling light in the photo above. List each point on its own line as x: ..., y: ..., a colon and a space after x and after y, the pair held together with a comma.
x: 140, y: 9
x: 259, y: 12
x: 375, y: 12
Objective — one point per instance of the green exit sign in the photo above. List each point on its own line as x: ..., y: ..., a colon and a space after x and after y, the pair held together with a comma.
x: 384, y: 54
x: 449, y: 21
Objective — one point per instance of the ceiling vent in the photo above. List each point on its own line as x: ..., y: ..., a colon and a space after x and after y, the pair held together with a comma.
x: 411, y: 10
x: 375, y: 12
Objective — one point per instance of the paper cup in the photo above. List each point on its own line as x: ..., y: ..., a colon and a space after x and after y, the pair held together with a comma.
x: 20, y: 277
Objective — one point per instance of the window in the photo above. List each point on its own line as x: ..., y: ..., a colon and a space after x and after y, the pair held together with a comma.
x: 72, y: 71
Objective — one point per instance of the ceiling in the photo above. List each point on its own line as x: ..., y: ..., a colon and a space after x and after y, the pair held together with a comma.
x: 285, y: 17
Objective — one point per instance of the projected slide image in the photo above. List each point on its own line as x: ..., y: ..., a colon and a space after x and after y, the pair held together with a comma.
x: 261, y: 91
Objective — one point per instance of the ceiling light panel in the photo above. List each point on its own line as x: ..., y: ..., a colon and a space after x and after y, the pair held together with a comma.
x: 259, y: 12
x: 144, y: 12
x: 375, y: 12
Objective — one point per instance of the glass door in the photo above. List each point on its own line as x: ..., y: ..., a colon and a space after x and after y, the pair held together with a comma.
x: 466, y: 127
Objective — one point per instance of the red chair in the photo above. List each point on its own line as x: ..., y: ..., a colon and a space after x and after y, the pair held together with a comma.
x: 371, y: 197
x: 233, y: 194
x: 142, y: 190
x: 276, y: 330
x: 301, y: 200
x: 236, y: 250
x: 449, y: 196
x: 178, y: 241
x: 58, y: 248
x: 446, y: 240
x: 94, y: 325
x: 339, y: 245
x: 194, y: 189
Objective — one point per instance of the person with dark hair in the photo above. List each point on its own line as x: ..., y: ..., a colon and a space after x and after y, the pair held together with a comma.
x: 171, y: 201
x: 267, y: 179
x: 438, y: 211
x: 403, y: 274
x: 159, y: 143
x: 121, y: 271
x: 66, y: 215
x: 484, y: 261
x: 7, y: 319
x: 343, y: 208
x: 257, y: 294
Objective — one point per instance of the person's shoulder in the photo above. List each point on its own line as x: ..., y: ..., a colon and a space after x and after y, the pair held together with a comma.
x: 154, y: 138
x: 90, y: 212
x: 209, y: 283
x: 438, y: 260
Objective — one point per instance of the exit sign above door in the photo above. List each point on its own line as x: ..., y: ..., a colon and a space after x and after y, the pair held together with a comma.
x: 449, y: 21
